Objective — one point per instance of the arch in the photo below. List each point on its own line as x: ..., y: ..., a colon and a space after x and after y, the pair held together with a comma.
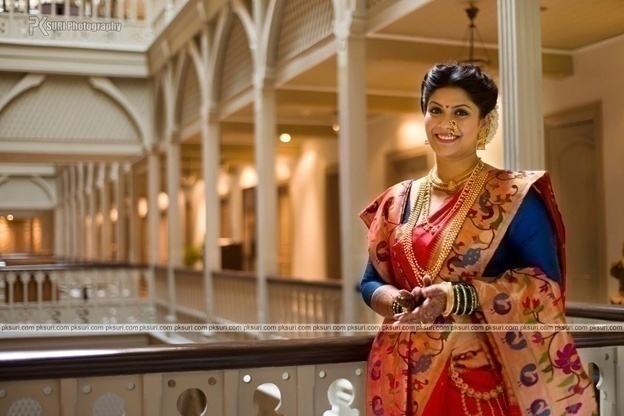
x: 182, y: 87
x: 165, y: 84
x: 179, y: 77
x: 271, y: 32
x: 217, y: 56
x: 29, y: 81
x: 38, y: 180
x: 160, y: 117
x: 93, y: 111
x: 200, y: 70
x: 26, y: 192
x: 304, y: 24
x: 248, y: 24
x: 107, y: 87
x: 238, y: 62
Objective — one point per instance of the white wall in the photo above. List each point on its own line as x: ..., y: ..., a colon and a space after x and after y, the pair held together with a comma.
x: 307, y: 190
x: 598, y: 78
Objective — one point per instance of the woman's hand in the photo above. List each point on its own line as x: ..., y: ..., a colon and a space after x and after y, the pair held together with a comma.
x: 432, y: 307
x: 410, y: 300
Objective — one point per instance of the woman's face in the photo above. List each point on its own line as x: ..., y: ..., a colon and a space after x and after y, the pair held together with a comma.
x: 447, y: 104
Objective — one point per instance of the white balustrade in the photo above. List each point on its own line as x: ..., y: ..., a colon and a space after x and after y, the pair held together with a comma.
x: 314, y: 389
x: 323, y: 390
x: 126, y: 24
x: 75, y: 295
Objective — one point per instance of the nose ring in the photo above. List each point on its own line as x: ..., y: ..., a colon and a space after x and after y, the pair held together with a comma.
x: 453, y: 125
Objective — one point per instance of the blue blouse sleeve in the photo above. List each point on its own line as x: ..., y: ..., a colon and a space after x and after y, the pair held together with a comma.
x: 371, y: 281
x: 529, y: 242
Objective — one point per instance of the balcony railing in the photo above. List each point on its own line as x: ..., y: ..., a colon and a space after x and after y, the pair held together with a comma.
x: 307, y: 377
x: 110, y: 24
x: 81, y: 293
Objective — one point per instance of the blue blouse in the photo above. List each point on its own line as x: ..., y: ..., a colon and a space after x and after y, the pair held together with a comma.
x: 529, y: 242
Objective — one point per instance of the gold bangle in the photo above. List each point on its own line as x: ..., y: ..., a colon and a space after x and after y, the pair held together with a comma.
x: 450, y: 299
x: 475, y: 299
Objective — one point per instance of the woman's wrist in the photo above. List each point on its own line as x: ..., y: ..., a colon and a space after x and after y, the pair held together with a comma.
x: 462, y: 299
x: 382, y: 300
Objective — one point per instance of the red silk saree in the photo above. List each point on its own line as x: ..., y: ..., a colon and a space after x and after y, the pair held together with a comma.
x: 539, y: 373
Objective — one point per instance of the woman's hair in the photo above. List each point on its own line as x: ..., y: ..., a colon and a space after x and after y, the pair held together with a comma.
x: 476, y: 83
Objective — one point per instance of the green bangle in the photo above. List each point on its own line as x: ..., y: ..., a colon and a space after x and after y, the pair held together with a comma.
x: 461, y: 296
x: 455, y: 300
x: 475, y: 299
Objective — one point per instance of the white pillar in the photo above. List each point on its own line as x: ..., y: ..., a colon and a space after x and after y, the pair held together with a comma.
x: 173, y: 221
x: 266, y: 195
x: 59, y: 216
x: 105, y: 210
x: 117, y: 197
x: 72, y: 200
x: 211, y: 159
x: 66, y: 217
x: 80, y: 221
x: 520, y: 60
x: 133, y: 219
x: 236, y: 205
x: 91, y: 190
x: 153, y: 214
x: 353, y: 153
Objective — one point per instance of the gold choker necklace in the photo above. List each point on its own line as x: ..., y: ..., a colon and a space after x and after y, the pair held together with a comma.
x: 454, y: 184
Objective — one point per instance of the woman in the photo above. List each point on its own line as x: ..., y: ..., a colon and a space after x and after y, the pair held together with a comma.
x: 469, y: 243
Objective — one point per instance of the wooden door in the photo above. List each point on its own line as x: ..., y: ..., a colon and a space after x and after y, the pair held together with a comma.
x: 573, y: 159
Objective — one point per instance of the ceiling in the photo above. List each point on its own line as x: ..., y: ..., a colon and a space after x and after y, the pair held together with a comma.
x: 400, y: 53
x: 566, y: 24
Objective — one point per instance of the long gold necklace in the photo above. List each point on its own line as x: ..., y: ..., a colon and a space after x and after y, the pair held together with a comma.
x: 455, y: 183
x: 469, y: 195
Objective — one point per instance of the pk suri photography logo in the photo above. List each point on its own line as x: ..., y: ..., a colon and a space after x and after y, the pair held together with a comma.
x: 46, y: 26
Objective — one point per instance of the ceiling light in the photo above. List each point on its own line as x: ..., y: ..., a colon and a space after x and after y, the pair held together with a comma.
x: 114, y: 214
x: 142, y: 207
x: 163, y: 201
x: 471, y: 31
x: 10, y: 217
x: 284, y: 137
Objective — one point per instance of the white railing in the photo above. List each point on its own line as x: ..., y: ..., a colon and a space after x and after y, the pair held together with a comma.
x: 110, y: 24
x: 324, y: 377
x: 75, y: 294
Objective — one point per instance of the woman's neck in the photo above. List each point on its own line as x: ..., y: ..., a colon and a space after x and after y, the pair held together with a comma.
x: 450, y: 169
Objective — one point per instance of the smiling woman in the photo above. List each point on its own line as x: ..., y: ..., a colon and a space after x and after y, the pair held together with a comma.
x: 476, y: 245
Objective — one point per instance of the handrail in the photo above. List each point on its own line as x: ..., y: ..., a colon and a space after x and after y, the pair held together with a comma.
x: 72, y: 266
x: 595, y: 311
x: 37, y: 365
x: 330, y: 284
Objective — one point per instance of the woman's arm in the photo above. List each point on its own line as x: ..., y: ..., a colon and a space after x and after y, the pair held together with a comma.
x: 380, y: 296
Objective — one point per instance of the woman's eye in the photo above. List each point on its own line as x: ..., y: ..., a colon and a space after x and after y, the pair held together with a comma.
x: 461, y: 113
x: 435, y: 110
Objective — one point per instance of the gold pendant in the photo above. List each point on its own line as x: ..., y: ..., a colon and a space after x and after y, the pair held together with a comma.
x: 452, y: 186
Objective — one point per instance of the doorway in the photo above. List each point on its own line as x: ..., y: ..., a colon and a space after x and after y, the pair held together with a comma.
x: 574, y: 159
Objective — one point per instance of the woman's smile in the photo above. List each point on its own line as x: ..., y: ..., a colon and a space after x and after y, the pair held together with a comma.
x: 447, y: 138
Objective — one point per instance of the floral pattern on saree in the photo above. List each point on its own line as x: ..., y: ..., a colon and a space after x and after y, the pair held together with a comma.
x: 542, y: 371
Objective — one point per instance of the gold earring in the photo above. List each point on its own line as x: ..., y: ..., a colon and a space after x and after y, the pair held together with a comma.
x: 426, y: 142
x: 483, y: 136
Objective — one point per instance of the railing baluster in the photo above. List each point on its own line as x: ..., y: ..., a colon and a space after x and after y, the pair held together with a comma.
x: 39, y: 278
x: 11, y: 282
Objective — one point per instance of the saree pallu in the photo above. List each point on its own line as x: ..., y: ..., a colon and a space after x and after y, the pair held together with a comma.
x: 541, y: 372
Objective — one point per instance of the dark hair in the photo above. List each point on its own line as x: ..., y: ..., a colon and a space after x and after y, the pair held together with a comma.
x: 476, y: 83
